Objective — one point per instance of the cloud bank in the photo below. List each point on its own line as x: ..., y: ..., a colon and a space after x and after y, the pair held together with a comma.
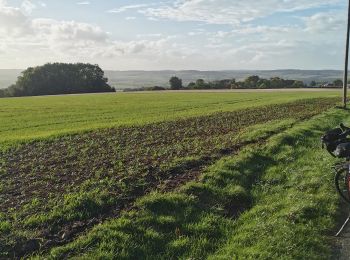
x: 224, y: 34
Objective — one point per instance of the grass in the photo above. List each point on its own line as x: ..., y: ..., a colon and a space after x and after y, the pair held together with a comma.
x: 295, y: 203
x: 41, y: 117
x: 282, y: 189
x: 126, y: 176
x: 55, y: 189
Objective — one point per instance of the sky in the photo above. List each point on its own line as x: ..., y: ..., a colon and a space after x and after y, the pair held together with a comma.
x: 178, y: 34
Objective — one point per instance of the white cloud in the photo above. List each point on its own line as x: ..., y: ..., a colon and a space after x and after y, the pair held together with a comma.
x: 228, y: 11
x: 127, y: 7
x: 261, y: 29
x: 12, y: 20
x: 196, y: 33
x: 45, y: 40
x: 244, y: 45
x: 325, y: 22
x: 27, y: 6
x: 61, y: 31
x: 83, y: 3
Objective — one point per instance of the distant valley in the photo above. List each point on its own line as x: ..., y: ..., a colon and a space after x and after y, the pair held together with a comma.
x: 136, y: 79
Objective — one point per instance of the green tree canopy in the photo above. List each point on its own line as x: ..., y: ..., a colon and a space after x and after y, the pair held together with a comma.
x: 60, y: 78
x: 298, y: 84
x: 253, y: 78
x: 175, y: 83
x: 313, y: 83
x: 338, y: 83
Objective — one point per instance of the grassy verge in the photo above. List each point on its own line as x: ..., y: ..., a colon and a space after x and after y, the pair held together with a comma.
x: 295, y: 203
x: 284, y: 190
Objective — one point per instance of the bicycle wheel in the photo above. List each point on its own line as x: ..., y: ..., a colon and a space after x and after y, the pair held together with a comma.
x: 342, y: 184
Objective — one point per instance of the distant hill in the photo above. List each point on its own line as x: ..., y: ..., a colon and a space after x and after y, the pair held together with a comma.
x: 8, y: 77
x: 136, y: 79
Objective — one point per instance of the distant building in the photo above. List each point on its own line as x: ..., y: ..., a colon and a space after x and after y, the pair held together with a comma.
x: 328, y: 85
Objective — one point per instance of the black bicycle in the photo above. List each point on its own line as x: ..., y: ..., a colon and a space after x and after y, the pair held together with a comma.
x: 337, y: 143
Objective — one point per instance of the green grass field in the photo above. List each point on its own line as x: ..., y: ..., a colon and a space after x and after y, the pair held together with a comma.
x: 284, y: 190
x: 168, y: 176
x: 40, y: 117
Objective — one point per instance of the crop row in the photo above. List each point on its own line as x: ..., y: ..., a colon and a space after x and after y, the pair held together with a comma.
x: 284, y: 188
x: 52, y: 190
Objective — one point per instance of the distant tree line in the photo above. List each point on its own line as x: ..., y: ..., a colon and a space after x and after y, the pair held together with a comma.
x: 338, y: 83
x: 155, y: 88
x: 59, y: 78
x: 252, y: 82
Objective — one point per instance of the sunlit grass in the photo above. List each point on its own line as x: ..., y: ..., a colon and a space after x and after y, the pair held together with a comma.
x: 40, y: 117
x: 285, y: 185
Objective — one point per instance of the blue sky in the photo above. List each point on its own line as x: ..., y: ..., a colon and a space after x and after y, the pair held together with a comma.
x: 180, y: 34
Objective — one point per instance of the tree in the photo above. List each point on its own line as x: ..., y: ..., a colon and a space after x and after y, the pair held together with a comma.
x: 313, y: 83
x: 276, y: 82
x: 298, y: 84
x: 217, y: 84
x: 251, y: 81
x: 191, y: 85
x: 225, y: 83
x: 338, y: 83
x: 200, y: 84
x: 60, y: 78
x: 175, y: 83
x: 289, y: 83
